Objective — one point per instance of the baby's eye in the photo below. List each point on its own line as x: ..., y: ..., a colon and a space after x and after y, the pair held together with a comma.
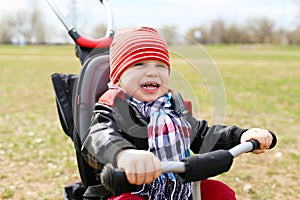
x: 138, y: 64
x: 161, y: 65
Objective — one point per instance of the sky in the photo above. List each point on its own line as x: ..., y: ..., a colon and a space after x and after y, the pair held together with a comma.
x: 182, y: 14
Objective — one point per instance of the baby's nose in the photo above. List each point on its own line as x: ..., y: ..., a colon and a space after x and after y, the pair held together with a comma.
x: 151, y: 72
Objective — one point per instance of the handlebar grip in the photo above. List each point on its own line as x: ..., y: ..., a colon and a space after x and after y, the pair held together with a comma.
x: 274, y: 141
x: 255, y: 144
x: 115, y: 181
x: 203, y: 166
x: 244, y: 147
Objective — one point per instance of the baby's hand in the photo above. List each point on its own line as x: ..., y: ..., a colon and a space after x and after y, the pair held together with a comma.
x: 140, y: 166
x: 264, y: 138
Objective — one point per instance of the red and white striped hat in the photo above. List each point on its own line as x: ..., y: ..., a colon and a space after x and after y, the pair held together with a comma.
x: 132, y: 45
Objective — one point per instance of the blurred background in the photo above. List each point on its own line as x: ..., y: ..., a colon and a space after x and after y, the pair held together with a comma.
x: 252, y: 45
x: 230, y: 21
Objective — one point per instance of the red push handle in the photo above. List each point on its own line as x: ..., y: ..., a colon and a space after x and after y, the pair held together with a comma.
x: 82, y: 41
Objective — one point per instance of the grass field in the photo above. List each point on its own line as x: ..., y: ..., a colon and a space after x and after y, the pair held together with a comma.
x: 262, y: 90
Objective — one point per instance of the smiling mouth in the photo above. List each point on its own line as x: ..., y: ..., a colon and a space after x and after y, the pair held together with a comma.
x: 150, y: 85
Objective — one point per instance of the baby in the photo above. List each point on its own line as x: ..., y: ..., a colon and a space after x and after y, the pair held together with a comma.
x: 139, y: 74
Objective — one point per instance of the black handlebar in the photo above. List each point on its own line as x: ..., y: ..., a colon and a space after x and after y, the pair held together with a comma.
x: 194, y: 168
x: 115, y: 181
x: 255, y: 144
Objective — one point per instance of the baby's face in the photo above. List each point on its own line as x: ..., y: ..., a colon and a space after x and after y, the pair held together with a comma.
x: 146, y: 80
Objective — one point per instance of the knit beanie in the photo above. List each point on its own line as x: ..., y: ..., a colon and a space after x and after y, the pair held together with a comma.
x: 132, y: 45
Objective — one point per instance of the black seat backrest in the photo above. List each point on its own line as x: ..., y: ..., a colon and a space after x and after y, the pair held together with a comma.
x: 92, y: 83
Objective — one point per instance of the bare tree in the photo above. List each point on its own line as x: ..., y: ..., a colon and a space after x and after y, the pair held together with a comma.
x: 232, y: 34
x: 5, y: 31
x: 261, y: 30
x: 217, y: 30
x: 294, y: 37
x: 199, y: 34
x: 23, y: 26
x: 17, y: 26
x: 37, y: 32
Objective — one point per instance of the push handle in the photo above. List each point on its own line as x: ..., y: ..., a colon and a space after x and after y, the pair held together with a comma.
x: 101, y: 43
x: 86, y: 42
x: 89, y: 42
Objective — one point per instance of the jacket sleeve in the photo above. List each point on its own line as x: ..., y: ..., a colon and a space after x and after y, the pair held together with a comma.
x: 205, y: 138
x: 104, y: 140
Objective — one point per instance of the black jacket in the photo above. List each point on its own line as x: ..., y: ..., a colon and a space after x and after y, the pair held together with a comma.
x: 118, y: 125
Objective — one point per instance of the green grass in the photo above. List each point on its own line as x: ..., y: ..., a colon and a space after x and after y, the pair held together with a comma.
x: 35, y: 155
x: 262, y: 90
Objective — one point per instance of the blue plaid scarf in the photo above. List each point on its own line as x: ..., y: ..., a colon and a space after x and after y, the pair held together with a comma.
x: 169, y: 140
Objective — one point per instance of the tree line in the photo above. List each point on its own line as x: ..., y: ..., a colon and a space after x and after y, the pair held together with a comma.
x: 29, y: 27
x: 256, y: 30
